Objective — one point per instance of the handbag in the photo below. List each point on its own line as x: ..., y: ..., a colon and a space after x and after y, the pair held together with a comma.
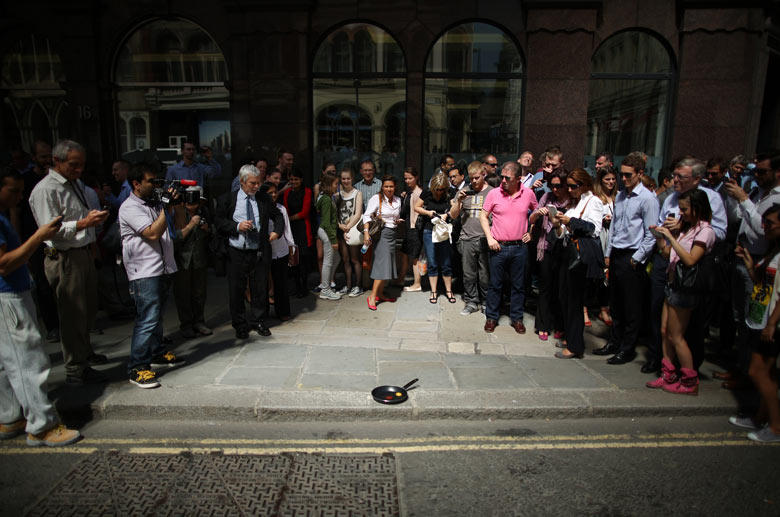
x: 573, y: 246
x: 377, y: 223
x: 354, y: 237
x: 441, y: 231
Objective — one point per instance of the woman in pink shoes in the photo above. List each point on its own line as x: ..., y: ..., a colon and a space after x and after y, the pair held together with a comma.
x: 765, y: 348
x: 549, y: 317
x: 386, y: 205
x: 695, y: 238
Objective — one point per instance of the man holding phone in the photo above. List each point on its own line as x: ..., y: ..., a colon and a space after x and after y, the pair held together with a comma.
x: 630, y: 245
x: 69, y: 263
x: 472, y: 244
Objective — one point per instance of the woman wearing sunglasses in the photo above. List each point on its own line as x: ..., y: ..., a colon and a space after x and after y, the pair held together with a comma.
x: 579, y: 228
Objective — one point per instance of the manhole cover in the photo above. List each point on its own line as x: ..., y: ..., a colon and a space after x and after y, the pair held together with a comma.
x: 287, y: 484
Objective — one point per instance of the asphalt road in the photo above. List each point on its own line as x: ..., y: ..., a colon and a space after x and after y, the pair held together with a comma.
x: 614, y: 467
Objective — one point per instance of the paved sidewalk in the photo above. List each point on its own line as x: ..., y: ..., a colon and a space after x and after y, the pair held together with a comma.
x: 324, y: 362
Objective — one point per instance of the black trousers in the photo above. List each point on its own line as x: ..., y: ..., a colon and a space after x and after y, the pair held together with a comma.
x: 279, y: 269
x: 548, y: 312
x: 44, y: 296
x: 627, y: 286
x: 245, y: 266
x: 572, y: 296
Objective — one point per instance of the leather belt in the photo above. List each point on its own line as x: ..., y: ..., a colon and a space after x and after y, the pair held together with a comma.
x: 511, y: 243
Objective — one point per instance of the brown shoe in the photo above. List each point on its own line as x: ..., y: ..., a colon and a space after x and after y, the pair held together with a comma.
x: 741, y: 384
x: 725, y: 376
x: 12, y: 430
x: 490, y: 325
x: 57, y: 436
x: 518, y: 326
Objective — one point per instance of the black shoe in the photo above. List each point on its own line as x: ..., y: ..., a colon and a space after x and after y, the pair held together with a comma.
x: 53, y: 336
x: 97, y: 359
x: 88, y: 376
x: 262, y: 330
x: 609, y: 349
x: 166, y: 359
x: 651, y: 366
x: 242, y: 334
x: 622, y: 357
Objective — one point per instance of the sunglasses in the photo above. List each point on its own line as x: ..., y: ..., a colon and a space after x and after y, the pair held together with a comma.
x: 491, y: 164
x: 572, y: 186
x: 556, y: 185
x: 507, y: 178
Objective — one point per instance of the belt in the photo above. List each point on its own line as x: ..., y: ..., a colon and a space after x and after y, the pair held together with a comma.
x: 511, y: 243
x: 623, y: 251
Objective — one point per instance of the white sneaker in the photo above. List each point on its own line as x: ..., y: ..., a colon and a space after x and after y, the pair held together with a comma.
x: 332, y: 285
x: 329, y: 294
x: 344, y: 290
x: 764, y: 435
x: 355, y: 292
x: 743, y: 421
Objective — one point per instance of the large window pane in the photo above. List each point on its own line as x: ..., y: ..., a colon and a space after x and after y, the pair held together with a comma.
x: 474, y: 48
x: 471, y: 117
x: 633, y: 52
x: 628, y: 115
x: 359, y: 48
x: 362, y: 119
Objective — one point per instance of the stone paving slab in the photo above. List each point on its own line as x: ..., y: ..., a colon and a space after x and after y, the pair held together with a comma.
x: 261, y: 377
x: 432, y: 375
x: 560, y: 373
x: 341, y: 360
x: 273, y: 354
x: 506, y: 376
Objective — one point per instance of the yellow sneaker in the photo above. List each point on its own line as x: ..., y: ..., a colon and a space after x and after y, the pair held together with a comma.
x: 57, y: 436
x: 8, y: 431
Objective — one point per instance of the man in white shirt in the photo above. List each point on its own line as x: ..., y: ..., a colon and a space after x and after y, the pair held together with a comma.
x: 69, y: 262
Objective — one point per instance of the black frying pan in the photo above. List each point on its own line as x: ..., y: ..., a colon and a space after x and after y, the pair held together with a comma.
x: 391, y: 394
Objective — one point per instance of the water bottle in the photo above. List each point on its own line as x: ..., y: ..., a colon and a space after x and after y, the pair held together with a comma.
x: 364, y: 249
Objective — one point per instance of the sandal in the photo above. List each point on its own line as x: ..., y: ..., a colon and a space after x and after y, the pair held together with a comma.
x: 605, y: 318
x: 451, y: 297
x: 544, y: 336
x: 434, y: 297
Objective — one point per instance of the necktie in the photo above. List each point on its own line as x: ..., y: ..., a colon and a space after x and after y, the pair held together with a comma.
x: 251, y: 235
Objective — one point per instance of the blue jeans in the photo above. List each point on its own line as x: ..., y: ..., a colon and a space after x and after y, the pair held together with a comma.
x: 149, y: 295
x: 439, y: 256
x: 509, y: 263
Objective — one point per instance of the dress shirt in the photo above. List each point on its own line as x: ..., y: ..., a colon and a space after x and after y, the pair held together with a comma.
x: 368, y: 190
x: 197, y: 171
x: 54, y: 195
x: 124, y: 193
x: 391, y: 210
x: 143, y: 258
x: 634, y: 213
x: 719, y: 222
x: 239, y: 216
x: 749, y: 213
x: 281, y: 246
x: 591, y: 209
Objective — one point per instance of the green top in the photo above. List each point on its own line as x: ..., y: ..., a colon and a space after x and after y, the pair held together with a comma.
x: 327, y: 211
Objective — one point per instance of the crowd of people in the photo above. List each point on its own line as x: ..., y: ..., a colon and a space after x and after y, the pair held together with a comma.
x: 660, y: 260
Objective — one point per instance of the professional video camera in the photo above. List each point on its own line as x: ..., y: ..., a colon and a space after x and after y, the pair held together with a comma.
x: 164, y: 190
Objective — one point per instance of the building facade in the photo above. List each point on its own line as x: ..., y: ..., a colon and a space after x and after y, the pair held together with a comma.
x: 399, y: 82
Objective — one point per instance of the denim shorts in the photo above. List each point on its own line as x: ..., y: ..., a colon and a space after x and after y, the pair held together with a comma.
x: 679, y: 299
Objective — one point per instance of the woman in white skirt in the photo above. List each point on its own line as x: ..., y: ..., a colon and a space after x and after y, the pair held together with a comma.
x: 386, y: 205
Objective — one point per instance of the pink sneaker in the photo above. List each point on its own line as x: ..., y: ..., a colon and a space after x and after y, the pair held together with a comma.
x: 668, y: 375
x: 687, y: 385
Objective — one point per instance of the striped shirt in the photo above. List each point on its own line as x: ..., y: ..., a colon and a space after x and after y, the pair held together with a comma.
x: 368, y: 190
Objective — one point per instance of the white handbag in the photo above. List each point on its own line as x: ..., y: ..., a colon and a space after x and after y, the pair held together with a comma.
x: 354, y: 237
x: 441, y: 230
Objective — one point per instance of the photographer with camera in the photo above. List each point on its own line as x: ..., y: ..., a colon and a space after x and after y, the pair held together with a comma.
x: 191, y: 250
x: 147, y: 230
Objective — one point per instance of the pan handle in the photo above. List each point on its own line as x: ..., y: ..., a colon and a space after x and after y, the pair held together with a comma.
x: 406, y: 386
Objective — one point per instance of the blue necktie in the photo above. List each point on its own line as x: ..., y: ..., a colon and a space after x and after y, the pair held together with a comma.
x: 251, y: 235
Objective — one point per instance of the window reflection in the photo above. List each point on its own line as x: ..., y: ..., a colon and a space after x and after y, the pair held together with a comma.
x: 359, y: 117
x: 470, y: 117
x: 628, y: 99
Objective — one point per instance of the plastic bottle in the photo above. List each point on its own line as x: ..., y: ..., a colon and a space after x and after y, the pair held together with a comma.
x: 364, y: 249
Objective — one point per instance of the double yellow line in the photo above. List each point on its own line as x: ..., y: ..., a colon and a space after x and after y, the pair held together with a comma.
x: 393, y: 445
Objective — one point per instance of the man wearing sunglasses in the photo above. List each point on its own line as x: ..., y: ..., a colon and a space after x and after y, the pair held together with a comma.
x: 630, y: 246
x: 747, y: 209
x: 510, y: 206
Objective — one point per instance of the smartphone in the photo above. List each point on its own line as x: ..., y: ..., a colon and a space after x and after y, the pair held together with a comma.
x: 470, y: 192
x: 657, y: 234
x: 552, y: 211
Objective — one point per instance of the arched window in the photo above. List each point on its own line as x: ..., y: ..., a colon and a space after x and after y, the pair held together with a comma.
x: 473, y: 96
x: 629, y: 98
x: 170, y: 78
x: 359, y: 89
x: 31, y: 75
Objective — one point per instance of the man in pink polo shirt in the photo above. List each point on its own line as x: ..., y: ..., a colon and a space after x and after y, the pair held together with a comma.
x: 509, y: 206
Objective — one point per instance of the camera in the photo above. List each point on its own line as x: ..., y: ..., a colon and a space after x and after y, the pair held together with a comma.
x: 164, y: 190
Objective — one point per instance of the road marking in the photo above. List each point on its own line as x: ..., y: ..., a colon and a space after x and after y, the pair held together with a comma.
x: 399, y: 445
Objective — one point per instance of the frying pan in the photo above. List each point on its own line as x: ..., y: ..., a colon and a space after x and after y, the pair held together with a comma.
x: 391, y: 394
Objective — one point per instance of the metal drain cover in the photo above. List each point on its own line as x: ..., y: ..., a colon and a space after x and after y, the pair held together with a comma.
x: 107, y: 483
